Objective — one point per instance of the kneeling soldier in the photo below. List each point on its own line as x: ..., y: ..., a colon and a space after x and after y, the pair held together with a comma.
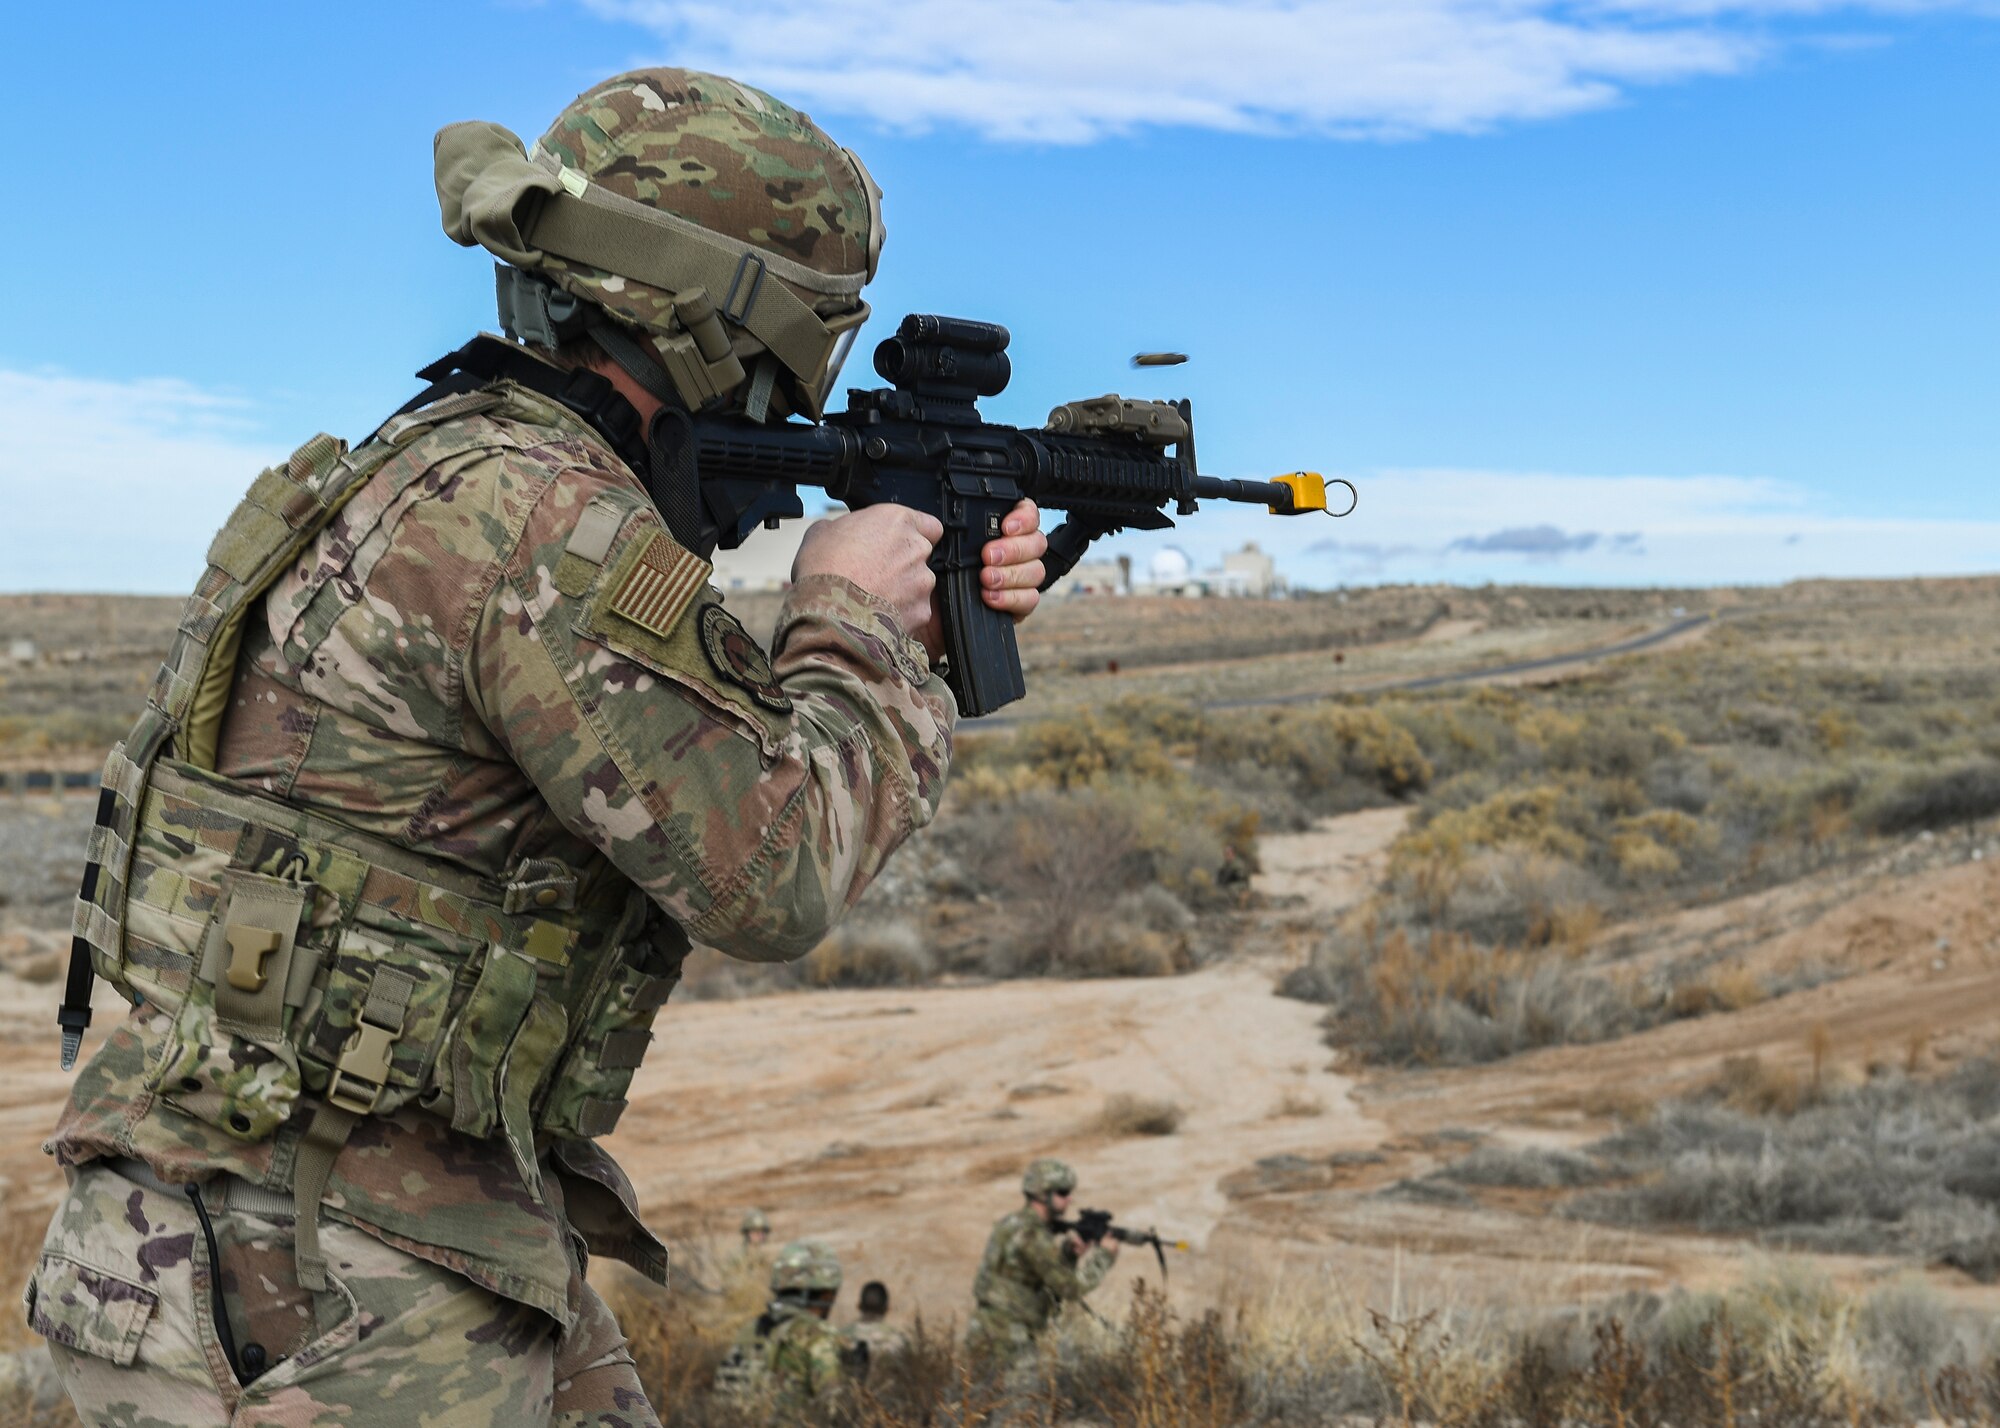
x: 790, y: 1348
x: 1031, y: 1268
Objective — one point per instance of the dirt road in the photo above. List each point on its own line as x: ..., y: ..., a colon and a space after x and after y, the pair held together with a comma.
x: 896, y: 1124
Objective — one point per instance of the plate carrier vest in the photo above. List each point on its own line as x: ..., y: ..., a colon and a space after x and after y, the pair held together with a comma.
x: 300, y: 957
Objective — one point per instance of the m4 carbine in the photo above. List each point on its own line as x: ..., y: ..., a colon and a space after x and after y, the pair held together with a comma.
x: 1095, y: 1226
x: 922, y: 443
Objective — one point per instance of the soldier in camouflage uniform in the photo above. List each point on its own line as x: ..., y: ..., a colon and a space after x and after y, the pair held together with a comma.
x: 454, y: 751
x: 790, y: 1350
x: 756, y: 1230
x: 1028, y: 1271
x: 872, y: 1327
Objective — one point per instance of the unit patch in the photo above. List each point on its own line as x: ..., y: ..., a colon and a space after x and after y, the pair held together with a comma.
x: 740, y: 659
x: 659, y: 584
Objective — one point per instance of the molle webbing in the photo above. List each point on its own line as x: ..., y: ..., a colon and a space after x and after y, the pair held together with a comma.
x: 286, y: 508
x: 374, y: 882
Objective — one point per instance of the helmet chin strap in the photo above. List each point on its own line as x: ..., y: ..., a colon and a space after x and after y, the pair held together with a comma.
x: 633, y: 360
x: 671, y: 477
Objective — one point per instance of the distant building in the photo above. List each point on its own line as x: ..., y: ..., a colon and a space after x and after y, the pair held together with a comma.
x: 1170, y: 572
x: 1096, y: 577
x: 1248, y: 573
x: 1252, y: 572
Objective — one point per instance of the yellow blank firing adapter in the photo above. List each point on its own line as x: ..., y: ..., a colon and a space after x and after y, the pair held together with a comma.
x: 1308, y: 490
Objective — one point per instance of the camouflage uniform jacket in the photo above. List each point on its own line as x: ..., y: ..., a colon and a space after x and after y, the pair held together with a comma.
x: 1026, y: 1274
x: 791, y: 1351
x: 494, y: 655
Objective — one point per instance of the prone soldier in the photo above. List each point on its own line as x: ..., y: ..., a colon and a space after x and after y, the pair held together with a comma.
x: 454, y: 751
x: 1031, y: 1268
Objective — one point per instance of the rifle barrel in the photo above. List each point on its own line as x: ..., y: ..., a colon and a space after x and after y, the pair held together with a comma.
x: 1262, y: 493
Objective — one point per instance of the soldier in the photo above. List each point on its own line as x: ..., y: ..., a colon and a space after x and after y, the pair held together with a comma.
x: 756, y: 1229
x: 1029, y: 1271
x: 790, y: 1349
x: 454, y: 751
x: 872, y: 1327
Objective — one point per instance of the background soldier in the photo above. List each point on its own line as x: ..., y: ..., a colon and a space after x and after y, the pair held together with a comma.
x: 1028, y: 1271
x: 454, y: 751
x: 756, y: 1229
x: 872, y: 1327
x: 790, y: 1349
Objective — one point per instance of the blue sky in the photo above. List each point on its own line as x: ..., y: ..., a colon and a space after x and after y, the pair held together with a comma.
x: 1607, y: 291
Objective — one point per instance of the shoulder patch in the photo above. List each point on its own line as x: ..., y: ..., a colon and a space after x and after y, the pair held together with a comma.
x: 740, y: 659
x: 655, y: 586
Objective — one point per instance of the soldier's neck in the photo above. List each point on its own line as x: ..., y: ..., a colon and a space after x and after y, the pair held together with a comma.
x: 643, y: 402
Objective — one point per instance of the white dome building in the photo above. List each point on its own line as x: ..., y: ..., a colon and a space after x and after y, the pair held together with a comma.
x: 1171, y: 572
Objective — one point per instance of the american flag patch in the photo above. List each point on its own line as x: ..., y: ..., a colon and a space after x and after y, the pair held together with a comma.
x: 658, y: 587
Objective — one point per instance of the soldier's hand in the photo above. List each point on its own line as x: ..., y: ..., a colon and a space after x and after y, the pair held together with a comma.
x: 1073, y: 1245
x: 1110, y: 1246
x: 884, y: 550
x: 1013, y: 564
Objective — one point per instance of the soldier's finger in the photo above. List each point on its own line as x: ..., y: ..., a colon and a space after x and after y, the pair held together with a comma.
x: 1017, y: 550
x: 1014, y: 602
x: 1023, y: 518
x: 1025, y: 576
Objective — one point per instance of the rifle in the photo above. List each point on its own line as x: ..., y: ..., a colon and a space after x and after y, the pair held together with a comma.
x: 921, y: 442
x: 1095, y: 1226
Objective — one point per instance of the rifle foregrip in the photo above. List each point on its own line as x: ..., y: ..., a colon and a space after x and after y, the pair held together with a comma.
x: 985, y: 668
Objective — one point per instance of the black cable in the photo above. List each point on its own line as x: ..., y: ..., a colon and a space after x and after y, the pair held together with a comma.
x: 216, y: 1305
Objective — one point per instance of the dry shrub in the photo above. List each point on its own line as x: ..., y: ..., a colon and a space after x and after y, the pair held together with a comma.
x: 1510, y: 895
x: 995, y: 1167
x: 871, y: 954
x: 1619, y: 1103
x: 1938, y: 798
x: 1426, y: 1377
x: 1892, y: 1166
x: 1441, y: 998
x: 1145, y: 933
x: 1725, y: 990
x: 1749, y: 1084
x: 1125, y: 1114
x: 1298, y: 1104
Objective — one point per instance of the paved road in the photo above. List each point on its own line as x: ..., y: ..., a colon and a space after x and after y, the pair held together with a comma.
x: 1428, y: 681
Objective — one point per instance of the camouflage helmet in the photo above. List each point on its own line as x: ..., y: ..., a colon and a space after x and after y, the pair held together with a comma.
x: 755, y: 1220
x: 1047, y: 1175
x: 718, y: 221
x: 803, y: 1267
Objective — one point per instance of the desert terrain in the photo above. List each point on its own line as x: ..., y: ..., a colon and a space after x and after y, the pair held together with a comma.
x: 1852, y: 941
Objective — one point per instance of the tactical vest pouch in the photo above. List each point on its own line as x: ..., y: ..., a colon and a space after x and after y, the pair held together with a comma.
x: 468, y: 1083
x: 614, y: 1032
x: 337, y: 1035
x: 233, y: 1064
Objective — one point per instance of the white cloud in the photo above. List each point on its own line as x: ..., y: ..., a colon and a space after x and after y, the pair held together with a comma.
x: 117, y: 486
x: 1073, y: 71
x: 1474, y: 526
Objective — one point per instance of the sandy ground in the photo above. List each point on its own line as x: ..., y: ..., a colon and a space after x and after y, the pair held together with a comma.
x: 895, y: 1123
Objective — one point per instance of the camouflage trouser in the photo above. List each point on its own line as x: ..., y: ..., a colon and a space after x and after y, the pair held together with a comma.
x: 993, y: 1334
x: 123, y: 1294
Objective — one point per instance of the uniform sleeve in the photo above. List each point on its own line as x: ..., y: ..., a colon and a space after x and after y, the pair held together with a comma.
x: 754, y: 798
x: 1061, y: 1279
